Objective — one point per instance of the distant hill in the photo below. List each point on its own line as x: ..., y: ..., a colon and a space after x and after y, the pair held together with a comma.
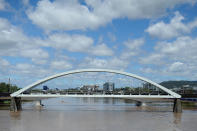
x: 177, y: 84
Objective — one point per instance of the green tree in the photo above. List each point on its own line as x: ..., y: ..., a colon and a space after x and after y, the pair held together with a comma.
x: 7, y: 88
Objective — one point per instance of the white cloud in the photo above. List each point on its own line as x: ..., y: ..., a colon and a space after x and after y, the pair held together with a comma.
x: 4, y: 68
x: 112, y: 63
x: 4, y: 62
x: 155, y: 58
x: 39, y: 61
x: 175, y: 28
x: 14, y: 42
x: 28, y: 70
x: 63, y: 15
x: 134, y: 44
x: 174, y: 58
x: 71, y: 15
x: 75, y: 43
x: 177, y: 67
x: 132, y: 48
x: 177, y: 70
x: 93, y: 63
x: 3, y: 5
x: 35, y: 53
x: 111, y: 36
x: 25, y: 68
x: 183, y: 48
x: 148, y: 70
x: 25, y: 2
x: 101, y: 50
x: 11, y: 37
x: 61, y: 65
x: 4, y: 24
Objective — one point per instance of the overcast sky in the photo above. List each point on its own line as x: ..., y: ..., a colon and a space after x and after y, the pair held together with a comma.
x: 156, y: 39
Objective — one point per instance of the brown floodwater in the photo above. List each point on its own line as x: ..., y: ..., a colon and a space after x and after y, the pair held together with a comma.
x: 98, y: 114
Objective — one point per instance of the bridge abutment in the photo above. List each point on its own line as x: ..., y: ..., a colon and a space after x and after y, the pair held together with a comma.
x: 177, y: 108
x: 15, y: 104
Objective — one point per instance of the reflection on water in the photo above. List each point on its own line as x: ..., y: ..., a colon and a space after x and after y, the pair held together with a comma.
x: 177, y: 118
x: 97, y: 114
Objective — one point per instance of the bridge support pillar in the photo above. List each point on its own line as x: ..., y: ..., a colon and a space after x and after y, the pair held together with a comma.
x: 138, y: 103
x: 177, y: 106
x: 15, y: 104
x: 39, y: 103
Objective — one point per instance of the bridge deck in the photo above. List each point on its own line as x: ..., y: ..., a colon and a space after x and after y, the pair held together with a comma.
x: 95, y: 95
x: 134, y: 97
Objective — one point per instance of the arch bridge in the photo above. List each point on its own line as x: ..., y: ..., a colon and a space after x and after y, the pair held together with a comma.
x: 18, y: 95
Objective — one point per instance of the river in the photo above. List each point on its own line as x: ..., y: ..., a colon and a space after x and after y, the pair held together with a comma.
x: 98, y: 114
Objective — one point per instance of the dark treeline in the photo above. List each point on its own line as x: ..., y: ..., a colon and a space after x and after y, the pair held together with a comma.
x: 178, y: 84
x: 7, y: 88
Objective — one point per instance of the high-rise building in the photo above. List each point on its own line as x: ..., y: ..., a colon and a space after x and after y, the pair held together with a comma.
x: 108, y: 86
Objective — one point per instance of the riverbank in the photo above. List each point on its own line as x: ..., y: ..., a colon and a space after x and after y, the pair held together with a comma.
x: 5, y: 101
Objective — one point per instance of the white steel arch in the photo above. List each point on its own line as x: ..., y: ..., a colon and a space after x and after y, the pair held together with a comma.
x: 175, y: 95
